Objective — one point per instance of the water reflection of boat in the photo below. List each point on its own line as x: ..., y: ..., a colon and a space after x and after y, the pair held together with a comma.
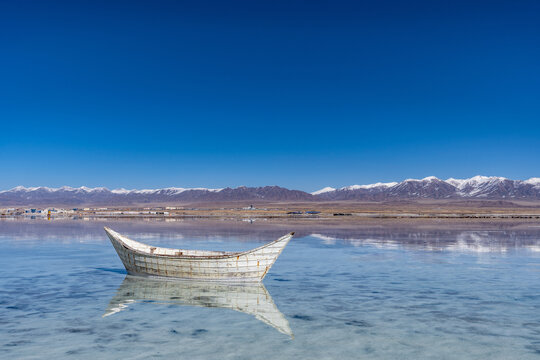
x: 251, y: 265
x: 251, y: 299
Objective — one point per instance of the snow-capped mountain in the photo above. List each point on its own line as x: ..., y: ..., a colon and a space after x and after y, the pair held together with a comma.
x: 482, y: 187
x: 76, y: 196
x: 323, y: 190
x: 478, y: 187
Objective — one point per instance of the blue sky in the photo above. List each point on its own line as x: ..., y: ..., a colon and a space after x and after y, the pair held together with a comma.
x: 299, y: 94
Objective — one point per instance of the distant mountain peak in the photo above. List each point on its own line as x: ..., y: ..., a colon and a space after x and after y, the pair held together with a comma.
x: 369, y: 186
x: 323, y: 190
x: 533, y: 181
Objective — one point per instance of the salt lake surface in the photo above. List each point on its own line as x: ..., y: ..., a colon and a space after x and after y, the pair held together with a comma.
x: 387, y: 291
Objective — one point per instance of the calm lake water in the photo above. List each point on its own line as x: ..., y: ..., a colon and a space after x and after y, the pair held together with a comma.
x: 387, y: 291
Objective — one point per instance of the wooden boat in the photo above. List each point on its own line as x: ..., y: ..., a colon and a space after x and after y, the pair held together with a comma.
x: 251, y: 265
x: 250, y: 298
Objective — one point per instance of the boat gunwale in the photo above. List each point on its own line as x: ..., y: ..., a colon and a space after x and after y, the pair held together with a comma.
x: 201, y: 257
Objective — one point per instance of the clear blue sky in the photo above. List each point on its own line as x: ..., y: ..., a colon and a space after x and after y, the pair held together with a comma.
x: 299, y: 94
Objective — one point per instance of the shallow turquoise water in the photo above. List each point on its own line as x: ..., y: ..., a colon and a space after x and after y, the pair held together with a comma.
x: 374, y: 293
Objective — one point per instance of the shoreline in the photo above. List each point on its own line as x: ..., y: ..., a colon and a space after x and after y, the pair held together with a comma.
x: 337, y: 211
x: 342, y: 217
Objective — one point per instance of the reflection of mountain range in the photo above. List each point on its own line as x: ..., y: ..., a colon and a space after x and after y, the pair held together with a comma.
x: 478, y: 187
x: 431, y: 235
x: 250, y: 299
x: 461, y: 241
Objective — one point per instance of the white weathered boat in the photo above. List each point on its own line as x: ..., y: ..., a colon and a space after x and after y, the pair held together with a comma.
x: 252, y: 298
x: 251, y: 265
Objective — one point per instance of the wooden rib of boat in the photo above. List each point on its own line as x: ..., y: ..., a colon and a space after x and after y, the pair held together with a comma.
x: 251, y: 298
x: 251, y: 265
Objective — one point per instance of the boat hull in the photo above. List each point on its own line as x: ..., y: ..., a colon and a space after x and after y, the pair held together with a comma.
x: 251, y: 266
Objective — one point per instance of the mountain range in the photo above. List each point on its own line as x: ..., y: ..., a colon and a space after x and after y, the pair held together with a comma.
x: 478, y: 187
